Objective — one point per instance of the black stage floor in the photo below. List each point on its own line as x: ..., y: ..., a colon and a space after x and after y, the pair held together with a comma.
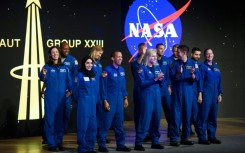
x: 231, y: 131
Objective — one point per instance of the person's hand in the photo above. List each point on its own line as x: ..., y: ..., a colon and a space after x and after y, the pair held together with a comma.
x: 68, y: 93
x: 169, y: 90
x: 220, y: 98
x: 192, y: 70
x: 44, y: 72
x: 199, y: 99
x: 125, y: 102
x: 159, y: 77
x: 144, y: 50
x: 193, y: 76
x: 42, y: 94
x: 180, y: 69
x: 106, y: 105
x: 104, y: 74
x: 42, y: 91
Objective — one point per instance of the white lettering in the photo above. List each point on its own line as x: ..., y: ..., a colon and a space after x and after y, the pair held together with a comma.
x: 133, y: 31
x: 158, y: 31
x: 171, y: 31
x: 9, y: 43
x: 74, y: 43
x: 146, y: 31
x: 90, y: 43
x: 158, y: 28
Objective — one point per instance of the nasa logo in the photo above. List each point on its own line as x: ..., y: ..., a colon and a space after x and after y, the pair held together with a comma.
x: 153, y: 22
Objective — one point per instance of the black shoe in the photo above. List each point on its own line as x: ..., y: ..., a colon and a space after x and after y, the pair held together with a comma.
x: 157, y: 146
x: 186, y: 142
x: 174, y: 143
x: 103, y: 149
x: 139, y: 148
x: 204, y: 142
x: 126, y: 149
x: 215, y: 141
x: 108, y: 141
x: 44, y: 142
x: 147, y: 138
x: 52, y: 149
x: 90, y: 152
x: 61, y: 148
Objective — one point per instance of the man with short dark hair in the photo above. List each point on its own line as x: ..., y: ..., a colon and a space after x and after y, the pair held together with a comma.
x: 195, y: 56
x: 166, y: 84
x: 115, y: 99
x: 72, y: 64
x: 182, y: 74
x: 136, y: 64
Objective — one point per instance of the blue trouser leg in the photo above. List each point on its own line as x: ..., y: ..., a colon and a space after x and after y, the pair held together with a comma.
x: 86, y: 125
x: 91, y: 133
x: 67, y: 112
x: 136, y: 97
x: 98, y: 114
x: 212, y: 120
x: 82, y: 126
x: 105, y: 124
x: 175, y: 116
x: 59, y: 127
x: 143, y: 125
x: 166, y: 104
x: 203, y: 113
x: 155, y: 122
x: 118, y: 127
x: 194, y: 111
x: 49, y: 128
x: 186, y: 114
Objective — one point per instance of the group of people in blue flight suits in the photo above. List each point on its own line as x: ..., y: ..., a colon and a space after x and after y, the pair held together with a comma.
x: 187, y: 90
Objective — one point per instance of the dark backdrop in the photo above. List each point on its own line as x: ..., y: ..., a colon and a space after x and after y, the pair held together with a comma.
x: 212, y: 23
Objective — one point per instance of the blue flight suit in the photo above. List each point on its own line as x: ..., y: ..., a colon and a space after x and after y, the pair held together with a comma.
x: 196, y: 90
x: 171, y: 59
x: 150, y: 105
x: 113, y: 89
x: 84, y: 91
x: 170, y: 63
x: 135, y: 67
x: 207, y: 111
x: 57, y: 81
x: 181, y: 98
x: 72, y: 65
x: 165, y: 96
x: 97, y: 68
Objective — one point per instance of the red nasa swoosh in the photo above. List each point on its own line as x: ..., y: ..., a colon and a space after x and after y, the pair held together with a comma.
x: 168, y: 20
